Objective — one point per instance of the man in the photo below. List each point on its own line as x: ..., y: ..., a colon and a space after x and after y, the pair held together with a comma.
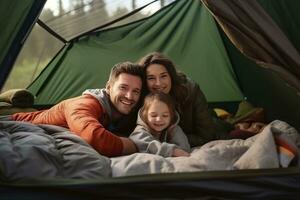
x: 98, y: 114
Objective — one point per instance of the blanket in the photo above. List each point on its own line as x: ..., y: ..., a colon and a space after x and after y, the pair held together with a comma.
x: 29, y: 151
x: 274, y: 147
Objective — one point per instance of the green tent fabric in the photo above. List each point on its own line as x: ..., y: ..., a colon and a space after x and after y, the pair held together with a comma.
x: 185, y: 31
x: 265, y: 89
x: 16, y: 21
x: 260, y: 184
x: 275, y: 87
x: 17, y: 13
x: 258, y: 37
x: 285, y: 14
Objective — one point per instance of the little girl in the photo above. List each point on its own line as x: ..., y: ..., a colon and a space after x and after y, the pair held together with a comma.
x: 157, y: 131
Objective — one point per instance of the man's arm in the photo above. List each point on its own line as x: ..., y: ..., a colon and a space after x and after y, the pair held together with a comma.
x: 128, y: 146
x: 82, y: 117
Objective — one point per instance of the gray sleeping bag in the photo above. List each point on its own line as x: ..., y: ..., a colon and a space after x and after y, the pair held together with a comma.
x: 47, y: 151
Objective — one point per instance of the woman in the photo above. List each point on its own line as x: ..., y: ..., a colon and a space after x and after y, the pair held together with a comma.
x: 162, y: 76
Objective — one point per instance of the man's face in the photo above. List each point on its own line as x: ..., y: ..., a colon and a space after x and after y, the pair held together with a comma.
x: 125, y: 92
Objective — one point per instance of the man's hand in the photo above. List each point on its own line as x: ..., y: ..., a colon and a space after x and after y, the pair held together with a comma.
x: 128, y: 146
x: 179, y: 152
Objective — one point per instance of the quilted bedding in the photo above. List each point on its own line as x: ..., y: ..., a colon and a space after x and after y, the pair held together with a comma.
x: 276, y: 146
x: 30, y: 151
x: 45, y: 151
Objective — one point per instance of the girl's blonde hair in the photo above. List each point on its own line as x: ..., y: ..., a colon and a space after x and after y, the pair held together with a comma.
x: 165, y: 98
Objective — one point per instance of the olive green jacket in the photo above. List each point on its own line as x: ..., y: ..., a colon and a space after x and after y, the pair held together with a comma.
x: 196, y: 119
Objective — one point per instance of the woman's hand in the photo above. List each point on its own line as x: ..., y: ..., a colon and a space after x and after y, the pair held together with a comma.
x: 254, y: 127
x: 179, y: 152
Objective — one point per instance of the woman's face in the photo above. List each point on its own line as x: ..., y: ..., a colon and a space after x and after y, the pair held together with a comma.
x: 158, y: 79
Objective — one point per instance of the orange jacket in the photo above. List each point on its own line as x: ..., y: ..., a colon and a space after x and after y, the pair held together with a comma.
x: 84, y: 116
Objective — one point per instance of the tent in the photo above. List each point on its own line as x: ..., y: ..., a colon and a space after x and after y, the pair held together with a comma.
x: 233, y: 49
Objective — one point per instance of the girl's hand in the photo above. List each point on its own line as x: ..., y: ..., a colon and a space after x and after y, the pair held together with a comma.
x: 179, y: 152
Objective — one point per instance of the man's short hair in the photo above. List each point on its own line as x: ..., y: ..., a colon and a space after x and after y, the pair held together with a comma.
x: 125, y: 67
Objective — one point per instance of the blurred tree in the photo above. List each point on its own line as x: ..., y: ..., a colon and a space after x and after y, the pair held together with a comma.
x: 60, y: 7
x: 133, y: 4
x: 37, y: 50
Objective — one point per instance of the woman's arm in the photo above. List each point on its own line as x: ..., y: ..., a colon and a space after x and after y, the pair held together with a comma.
x: 196, y: 119
x: 179, y: 152
x: 203, y: 121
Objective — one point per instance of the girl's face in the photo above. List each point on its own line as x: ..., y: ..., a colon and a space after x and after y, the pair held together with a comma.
x: 158, y: 116
x: 158, y: 79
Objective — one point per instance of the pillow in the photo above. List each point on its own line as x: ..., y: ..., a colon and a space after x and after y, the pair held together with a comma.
x: 247, y: 113
x: 18, y: 97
